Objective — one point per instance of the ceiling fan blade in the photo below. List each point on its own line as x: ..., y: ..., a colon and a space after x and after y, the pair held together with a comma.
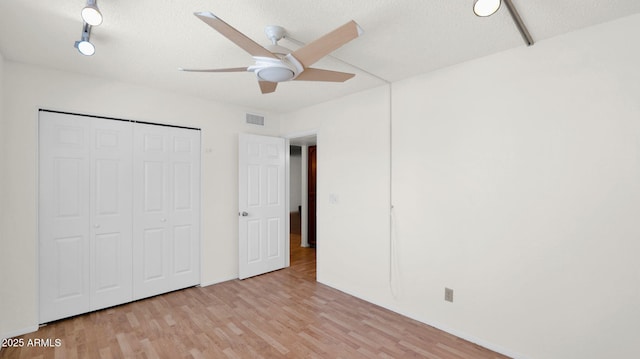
x: 321, y: 47
x: 234, y: 35
x: 267, y: 87
x: 232, y: 69
x: 311, y: 74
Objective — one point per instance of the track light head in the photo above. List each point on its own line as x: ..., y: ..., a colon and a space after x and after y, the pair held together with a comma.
x: 485, y: 8
x: 84, y: 46
x: 91, y: 14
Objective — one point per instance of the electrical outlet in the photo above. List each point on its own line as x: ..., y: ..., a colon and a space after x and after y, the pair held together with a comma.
x: 448, y: 294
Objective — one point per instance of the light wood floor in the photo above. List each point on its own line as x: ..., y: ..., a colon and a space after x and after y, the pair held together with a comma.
x: 284, y: 314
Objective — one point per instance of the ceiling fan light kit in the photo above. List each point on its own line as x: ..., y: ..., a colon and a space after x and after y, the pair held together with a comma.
x: 276, y: 70
x: 274, y: 63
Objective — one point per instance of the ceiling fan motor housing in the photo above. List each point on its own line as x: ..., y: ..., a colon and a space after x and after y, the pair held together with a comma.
x: 268, y: 69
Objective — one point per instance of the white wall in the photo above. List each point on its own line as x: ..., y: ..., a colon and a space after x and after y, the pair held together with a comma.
x: 516, y: 182
x: 295, y: 183
x: 353, y: 167
x: 29, y: 88
x: 518, y: 185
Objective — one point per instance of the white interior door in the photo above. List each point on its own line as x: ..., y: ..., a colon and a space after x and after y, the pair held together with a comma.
x: 184, y: 202
x: 262, y: 208
x: 64, y: 157
x: 167, y: 209
x: 84, y: 214
x: 111, y: 214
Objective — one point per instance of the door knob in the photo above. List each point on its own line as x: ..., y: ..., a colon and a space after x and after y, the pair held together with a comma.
x: 96, y: 226
x: 244, y: 214
x: 163, y: 220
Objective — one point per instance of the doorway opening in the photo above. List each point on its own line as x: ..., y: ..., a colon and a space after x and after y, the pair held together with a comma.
x: 302, y: 205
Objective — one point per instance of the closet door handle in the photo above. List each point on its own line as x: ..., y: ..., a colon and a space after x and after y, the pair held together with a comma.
x: 244, y: 214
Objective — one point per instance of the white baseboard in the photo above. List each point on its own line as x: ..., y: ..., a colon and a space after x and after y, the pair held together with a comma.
x: 16, y: 333
x: 470, y: 338
x: 481, y: 342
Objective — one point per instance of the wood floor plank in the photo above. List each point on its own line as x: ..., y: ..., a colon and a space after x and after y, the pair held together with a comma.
x: 283, y: 314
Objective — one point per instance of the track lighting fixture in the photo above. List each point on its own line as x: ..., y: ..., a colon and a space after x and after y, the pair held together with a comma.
x: 91, y: 14
x: 84, y: 46
x: 484, y: 8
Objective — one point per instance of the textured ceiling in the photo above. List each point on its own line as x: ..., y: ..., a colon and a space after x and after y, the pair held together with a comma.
x: 145, y: 41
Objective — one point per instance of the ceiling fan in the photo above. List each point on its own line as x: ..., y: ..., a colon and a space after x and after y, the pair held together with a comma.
x: 274, y: 63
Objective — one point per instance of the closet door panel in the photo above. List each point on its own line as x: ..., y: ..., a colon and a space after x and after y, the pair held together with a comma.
x: 154, y: 254
x: 111, y: 214
x: 154, y: 188
x: 152, y: 238
x: 108, y: 262
x: 184, y: 157
x: 166, y: 209
x: 63, y: 214
x: 183, y: 250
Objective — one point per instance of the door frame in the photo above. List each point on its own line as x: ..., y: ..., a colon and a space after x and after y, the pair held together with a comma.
x: 304, y: 214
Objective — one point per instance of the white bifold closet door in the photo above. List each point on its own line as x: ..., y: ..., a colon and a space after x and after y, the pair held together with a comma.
x: 119, y: 212
x: 85, y: 214
x: 166, y: 203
